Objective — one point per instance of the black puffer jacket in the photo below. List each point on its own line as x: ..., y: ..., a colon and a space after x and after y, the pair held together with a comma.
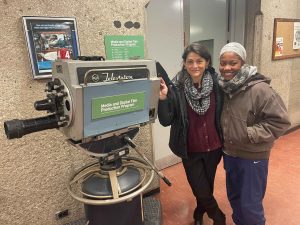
x: 173, y: 111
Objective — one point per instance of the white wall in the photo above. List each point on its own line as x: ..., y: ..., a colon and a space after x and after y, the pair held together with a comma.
x: 164, y: 44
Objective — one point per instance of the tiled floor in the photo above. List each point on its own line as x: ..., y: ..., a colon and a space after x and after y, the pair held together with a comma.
x: 282, y: 200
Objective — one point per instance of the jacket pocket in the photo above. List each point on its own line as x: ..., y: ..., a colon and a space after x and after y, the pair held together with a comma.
x: 238, y: 130
x: 251, y: 119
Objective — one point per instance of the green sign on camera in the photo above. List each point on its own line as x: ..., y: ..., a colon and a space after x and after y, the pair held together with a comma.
x: 117, y: 104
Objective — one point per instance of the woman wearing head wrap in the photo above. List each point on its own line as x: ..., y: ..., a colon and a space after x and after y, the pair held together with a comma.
x: 192, y: 106
x: 253, y: 117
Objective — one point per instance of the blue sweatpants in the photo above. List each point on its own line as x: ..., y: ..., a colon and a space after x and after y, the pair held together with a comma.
x: 246, y: 182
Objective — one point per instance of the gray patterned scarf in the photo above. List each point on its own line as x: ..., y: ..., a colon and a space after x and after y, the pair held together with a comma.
x: 198, y: 99
x: 238, y: 80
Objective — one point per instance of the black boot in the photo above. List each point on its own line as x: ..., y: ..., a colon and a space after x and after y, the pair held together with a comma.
x: 198, y: 215
x: 219, y: 218
x: 199, y: 221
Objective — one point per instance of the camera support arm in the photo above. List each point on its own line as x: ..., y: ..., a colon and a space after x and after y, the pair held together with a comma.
x: 128, y: 140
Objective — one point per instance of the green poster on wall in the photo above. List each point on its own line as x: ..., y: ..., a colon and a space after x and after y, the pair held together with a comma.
x: 124, y: 47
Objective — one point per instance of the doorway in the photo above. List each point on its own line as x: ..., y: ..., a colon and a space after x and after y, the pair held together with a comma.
x: 215, y: 23
x: 171, y: 25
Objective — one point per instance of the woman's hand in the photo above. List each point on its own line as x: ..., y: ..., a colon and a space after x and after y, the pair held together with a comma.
x: 163, y: 90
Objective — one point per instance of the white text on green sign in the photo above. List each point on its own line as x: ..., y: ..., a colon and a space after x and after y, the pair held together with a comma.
x: 117, y: 104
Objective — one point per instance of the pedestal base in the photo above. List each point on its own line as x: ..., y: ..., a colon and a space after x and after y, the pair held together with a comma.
x: 123, y: 213
x: 152, y: 213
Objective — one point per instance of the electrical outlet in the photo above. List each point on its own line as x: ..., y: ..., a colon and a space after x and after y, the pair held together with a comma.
x: 61, y: 214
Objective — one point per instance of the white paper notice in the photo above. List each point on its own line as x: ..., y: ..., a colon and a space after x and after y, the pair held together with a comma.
x: 279, y: 46
x: 296, y: 42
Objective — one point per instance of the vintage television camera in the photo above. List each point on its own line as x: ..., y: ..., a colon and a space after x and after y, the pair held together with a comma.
x: 99, y: 106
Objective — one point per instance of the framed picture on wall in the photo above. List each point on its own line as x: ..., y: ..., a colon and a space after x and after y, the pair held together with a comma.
x: 49, y: 38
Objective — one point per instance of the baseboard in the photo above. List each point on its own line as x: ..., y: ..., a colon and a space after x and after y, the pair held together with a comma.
x: 167, y: 161
x: 292, y: 129
x: 152, y: 192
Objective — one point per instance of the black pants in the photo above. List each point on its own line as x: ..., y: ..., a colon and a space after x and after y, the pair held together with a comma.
x: 200, y: 169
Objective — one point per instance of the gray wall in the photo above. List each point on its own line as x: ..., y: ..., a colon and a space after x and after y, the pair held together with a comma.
x: 284, y: 73
x: 34, y: 170
x: 208, y: 21
x: 252, y: 14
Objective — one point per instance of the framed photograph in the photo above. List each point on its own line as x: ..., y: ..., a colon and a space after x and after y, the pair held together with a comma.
x: 49, y: 38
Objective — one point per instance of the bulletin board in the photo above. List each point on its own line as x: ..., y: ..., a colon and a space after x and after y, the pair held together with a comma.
x: 286, y: 38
